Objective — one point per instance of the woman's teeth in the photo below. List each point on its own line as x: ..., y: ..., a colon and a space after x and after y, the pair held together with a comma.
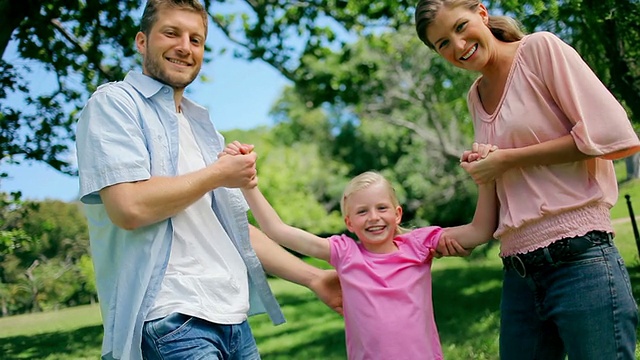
x: 470, y: 52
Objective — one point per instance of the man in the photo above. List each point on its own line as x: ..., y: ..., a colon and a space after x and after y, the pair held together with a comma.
x: 176, y: 273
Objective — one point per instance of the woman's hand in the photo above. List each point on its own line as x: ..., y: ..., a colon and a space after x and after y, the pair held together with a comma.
x: 477, y: 152
x: 482, y: 162
x: 448, y: 246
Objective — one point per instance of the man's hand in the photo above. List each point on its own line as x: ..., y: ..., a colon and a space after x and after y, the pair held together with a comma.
x: 327, y: 288
x: 237, y: 171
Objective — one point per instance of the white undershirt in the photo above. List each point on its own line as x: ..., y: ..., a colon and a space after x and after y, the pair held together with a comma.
x: 205, y: 277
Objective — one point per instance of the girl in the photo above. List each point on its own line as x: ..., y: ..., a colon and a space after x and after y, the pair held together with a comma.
x: 385, y: 276
x: 566, y: 289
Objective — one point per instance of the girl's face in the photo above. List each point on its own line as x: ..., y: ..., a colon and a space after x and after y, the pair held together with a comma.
x: 374, y: 219
x: 462, y: 36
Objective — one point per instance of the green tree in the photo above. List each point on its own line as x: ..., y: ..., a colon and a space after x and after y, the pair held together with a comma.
x: 87, y: 277
x: 86, y: 43
x: 13, y: 239
x: 43, y: 257
x: 303, y: 186
x: 409, y: 120
x: 81, y: 43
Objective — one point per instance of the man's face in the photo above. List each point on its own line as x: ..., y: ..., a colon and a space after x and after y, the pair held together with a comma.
x: 174, y: 49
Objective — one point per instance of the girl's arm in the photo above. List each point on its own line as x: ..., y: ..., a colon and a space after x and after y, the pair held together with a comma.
x: 484, y: 223
x: 285, y: 235
x: 281, y: 263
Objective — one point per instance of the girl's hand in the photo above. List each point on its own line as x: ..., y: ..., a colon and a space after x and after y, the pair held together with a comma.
x: 485, y: 170
x: 477, y: 152
x: 236, y: 148
x: 482, y: 166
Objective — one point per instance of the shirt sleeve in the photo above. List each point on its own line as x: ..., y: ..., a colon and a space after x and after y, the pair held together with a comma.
x: 110, y: 144
x: 340, y: 246
x: 425, y: 239
x: 600, y: 125
x: 236, y: 196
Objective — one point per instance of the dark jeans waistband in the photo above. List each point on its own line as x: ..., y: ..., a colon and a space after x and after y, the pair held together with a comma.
x: 557, y: 252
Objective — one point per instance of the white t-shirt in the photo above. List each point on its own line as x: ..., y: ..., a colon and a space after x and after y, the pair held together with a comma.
x: 205, y: 277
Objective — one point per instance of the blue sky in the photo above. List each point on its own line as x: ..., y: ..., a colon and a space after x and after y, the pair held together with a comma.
x: 238, y: 96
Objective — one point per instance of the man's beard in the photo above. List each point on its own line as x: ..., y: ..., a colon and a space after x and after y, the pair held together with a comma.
x: 154, y: 70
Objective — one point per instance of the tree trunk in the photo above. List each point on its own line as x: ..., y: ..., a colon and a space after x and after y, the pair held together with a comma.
x: 35, y: 305
x: 13, y: 13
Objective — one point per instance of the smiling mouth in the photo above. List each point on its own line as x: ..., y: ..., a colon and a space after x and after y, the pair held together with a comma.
x: 375, y: 228
x: 178, y: 62
x: 471, y: 51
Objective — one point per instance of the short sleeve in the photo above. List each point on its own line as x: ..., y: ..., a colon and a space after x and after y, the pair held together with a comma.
x: 422, y: 240
x: 600, y: 125
x: 340, y: 246
x: 110, y: 143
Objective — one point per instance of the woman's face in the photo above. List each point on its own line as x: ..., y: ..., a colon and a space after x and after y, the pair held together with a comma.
x: 462, y: 36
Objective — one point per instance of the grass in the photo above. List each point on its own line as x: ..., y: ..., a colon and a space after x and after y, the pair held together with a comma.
x: 466, y: 300
x: 466, y: 296
x: 74, y: 333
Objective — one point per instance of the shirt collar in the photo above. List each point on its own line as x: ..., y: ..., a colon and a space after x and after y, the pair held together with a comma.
x: 146, y: 85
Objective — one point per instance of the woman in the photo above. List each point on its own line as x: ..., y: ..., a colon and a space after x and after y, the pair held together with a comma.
x: 566, y: 290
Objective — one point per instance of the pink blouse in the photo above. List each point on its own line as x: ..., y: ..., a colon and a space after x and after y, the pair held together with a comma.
x: 551, y: 92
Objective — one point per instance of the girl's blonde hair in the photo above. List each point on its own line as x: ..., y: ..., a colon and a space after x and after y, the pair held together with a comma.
x: 504, y: 28
x: 363, y: 181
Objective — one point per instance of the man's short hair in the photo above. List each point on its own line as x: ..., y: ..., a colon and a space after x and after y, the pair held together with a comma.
x: 150, y: 14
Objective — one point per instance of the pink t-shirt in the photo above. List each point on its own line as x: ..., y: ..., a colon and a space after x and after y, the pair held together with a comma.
x: 387, y: 305
x: 551, y: 92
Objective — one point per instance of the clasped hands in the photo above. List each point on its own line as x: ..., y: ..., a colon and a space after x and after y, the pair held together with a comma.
x: 483, y: 168
x: 483, y: 162
x: 242, y: 169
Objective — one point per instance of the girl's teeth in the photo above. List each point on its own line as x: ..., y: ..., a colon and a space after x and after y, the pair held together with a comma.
x: 471, y: 52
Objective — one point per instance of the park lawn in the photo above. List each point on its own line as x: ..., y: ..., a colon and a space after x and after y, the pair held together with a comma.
x: 466, y: 295
x: 466, y: 298
x: 73, y: 333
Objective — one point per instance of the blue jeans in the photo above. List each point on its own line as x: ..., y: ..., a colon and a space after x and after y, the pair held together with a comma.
x: 582, y: 308
x: 182, y: 337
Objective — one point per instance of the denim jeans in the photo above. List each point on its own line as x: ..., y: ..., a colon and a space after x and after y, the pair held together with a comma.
x: 582, y: 308
x: 183, y: 337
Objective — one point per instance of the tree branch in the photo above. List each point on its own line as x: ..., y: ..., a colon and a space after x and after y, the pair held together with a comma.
x: 58, y: 26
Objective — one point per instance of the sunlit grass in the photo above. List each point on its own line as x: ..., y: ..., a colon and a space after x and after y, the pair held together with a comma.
x: 52, y: 321
x: 74, y: 333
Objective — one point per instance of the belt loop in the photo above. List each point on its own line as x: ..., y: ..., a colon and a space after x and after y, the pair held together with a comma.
x: 547, y: 255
